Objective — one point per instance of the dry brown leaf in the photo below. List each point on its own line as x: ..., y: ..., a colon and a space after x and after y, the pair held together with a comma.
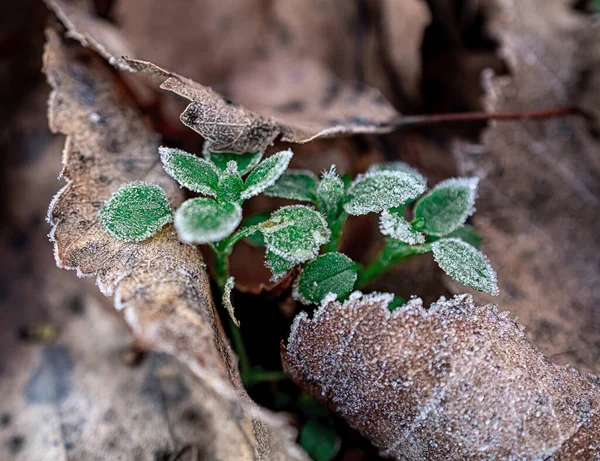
x: 160, y: 284
x: 454, y: 382
x: 539, y: 205
x: 338, y: 109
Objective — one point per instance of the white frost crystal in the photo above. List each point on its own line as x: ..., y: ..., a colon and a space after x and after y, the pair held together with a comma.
x: 192, y: 172
x: 396, y: 227
x: 203, y: 220
x: 229, y: 285
x: 398, y: 166
x: 381, y: 190
x: 266, y: 173
x: 465, y: 264
x: 447, y: 206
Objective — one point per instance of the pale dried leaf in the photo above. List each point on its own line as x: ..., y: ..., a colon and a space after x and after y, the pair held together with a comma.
x: 539, y: 205
x: 160, y: 284
x: 340, y: 110
x: 454, y: 382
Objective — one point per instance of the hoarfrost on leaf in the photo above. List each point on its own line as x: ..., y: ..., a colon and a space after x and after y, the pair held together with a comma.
x: 245, y: 162
x: 266, y: 173
x: 230, y: 185
x: 295, y: 233
x: 136, y: 212
x: 203, y: 220
x: 295, y: 185
x: 192, y: 172
x: 381, y: 190
x: 393, y: 224
x: 277, y: 265
x: 329, y: 273
x: 330, y: 193
x: 227, y: 289
x: 465, y: 264
x: 447, y: 206
x: 398, y: 166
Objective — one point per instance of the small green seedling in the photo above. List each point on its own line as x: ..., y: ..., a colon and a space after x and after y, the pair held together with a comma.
x: 296, y: 235
x: 414, y: 222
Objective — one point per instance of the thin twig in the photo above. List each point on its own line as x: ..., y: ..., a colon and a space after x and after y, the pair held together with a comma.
x: 420, y: 120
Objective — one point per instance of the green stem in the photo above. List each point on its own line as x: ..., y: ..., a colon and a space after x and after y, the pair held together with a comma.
x: 258, y: 376
x: 221, y: 269
x: 392, y: 254
x: 335, y: 226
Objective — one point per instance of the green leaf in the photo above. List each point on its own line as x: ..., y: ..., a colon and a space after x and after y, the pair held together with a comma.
x: 396, y: 303
x: 467, y: 234
x: 398, y: 166
x: 331, y: 194
x: 245, y: 162
x: 295, y: 185
x: 230, y: 185
x: 256, y: 238
x: 266, y: 173
x: 447, y: 206
x: 295, y: 233
x: 393, y: 224
x: 136, y: 211
x: 277, y: 265
x: 329, y: 273
x: 192, y: 172
x: 381, y: 190
x: 203, y: 220
x: 465, y: 264
x: 320, y: 441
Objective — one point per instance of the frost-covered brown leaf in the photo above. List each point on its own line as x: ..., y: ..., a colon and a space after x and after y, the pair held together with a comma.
x: 338, y: 109
x: 539, y: 205
x: 454, y: 382
x: 161, y: 285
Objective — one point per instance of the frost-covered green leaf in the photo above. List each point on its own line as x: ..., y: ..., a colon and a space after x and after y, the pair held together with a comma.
x: 192, y: 172
x: 320, y: 441
x: 329, y: 273
x: 136, y: 211
x: 203, y: 220
x: 295, y: 185
x: 277, y: 265
x: 331, y: 193
x: 465, y: 264
x: 229, y: 286
x: 230, y: 185
x: 266, y: 173
x: 467, y: 234
x: 245, y: 162
x: 393, y: 224
x: 447, y: 206
x: 381, y: 190
x: 398, y: 166
x: 295, y: 233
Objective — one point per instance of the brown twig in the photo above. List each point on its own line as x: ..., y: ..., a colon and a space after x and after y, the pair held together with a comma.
x: 420, y: 120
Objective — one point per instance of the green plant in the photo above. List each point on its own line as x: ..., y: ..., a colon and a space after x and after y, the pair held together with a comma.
x: 295, y: 235
x: 306, y: 235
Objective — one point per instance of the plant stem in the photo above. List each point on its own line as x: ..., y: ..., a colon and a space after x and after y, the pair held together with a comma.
x: 392, y: 254
x: 240, y: 349
x: 221, y: 270
x: 259, y: 376
x: 335, y: 226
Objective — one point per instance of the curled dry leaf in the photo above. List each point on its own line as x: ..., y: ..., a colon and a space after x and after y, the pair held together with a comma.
x: 455, y: 382
x: 342, y: 109
x: 160, y: 284
x: 539, y: 203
